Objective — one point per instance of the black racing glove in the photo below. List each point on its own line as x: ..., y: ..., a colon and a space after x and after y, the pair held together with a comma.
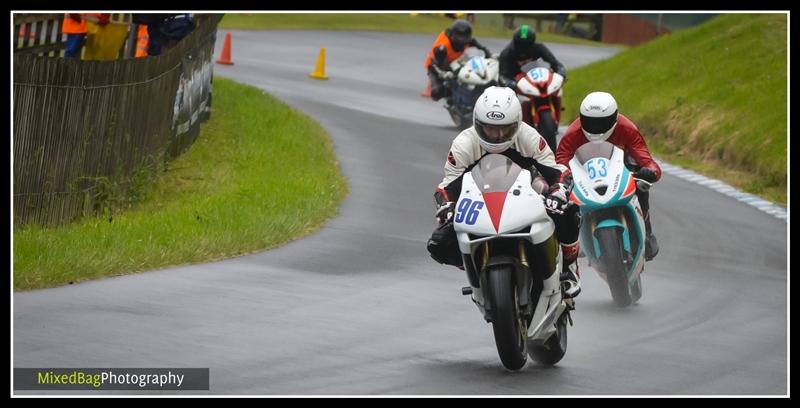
x: 440, y: 55
x: 646, y: 174
x: 445, y: 212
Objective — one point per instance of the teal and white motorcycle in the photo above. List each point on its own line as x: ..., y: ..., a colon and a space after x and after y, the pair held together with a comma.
x: 612, y: 228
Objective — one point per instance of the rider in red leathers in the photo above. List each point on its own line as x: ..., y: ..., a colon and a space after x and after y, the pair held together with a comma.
x: 600, y: 121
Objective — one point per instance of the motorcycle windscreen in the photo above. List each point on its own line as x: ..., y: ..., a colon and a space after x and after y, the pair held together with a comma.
x: 592, y: 150
x: 472, y: 52
x: 495, y: 173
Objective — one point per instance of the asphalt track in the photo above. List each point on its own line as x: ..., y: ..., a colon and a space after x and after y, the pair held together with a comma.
x: 360, y: 308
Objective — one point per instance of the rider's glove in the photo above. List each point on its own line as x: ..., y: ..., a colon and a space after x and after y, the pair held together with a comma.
x: 646, y: 174
x: 440, y: 55
x: 556, y: 200
x: 445, y: 212
x: 562, y: 70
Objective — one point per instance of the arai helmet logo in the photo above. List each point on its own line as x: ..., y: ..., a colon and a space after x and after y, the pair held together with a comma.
x: 495, y: 115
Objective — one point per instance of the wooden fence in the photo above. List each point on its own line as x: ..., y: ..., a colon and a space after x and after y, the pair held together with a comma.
x: 81, y: 128
x: 41, y: 34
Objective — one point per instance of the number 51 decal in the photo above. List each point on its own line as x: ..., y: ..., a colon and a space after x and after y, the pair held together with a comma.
x: 467, y: 211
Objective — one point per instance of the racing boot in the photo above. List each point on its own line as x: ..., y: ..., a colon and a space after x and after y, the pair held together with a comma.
x: 650, y: 243
x: 570, y: 275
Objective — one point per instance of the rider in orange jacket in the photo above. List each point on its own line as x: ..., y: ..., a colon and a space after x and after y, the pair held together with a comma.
x: 447, y: 47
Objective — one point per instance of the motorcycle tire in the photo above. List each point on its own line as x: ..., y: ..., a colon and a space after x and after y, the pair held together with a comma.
x: 548, y: 128
x: 636, y: 289
x: 506, y: 322
x: 612, y: 263
x: 555, y: 347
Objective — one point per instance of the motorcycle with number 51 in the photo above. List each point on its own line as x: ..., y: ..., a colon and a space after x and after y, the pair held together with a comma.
x: 538, y: 89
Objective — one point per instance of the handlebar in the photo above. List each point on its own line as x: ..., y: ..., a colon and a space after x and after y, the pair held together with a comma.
x: 444, y: 74
x: 642, y: 184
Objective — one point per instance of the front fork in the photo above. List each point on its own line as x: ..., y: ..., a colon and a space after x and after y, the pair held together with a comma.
x: 546, y: 257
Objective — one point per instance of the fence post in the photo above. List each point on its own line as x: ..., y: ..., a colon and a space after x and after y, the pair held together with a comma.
x: 133, y: 33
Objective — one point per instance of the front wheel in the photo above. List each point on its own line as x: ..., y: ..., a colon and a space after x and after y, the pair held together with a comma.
x: 548, y: 128
x: 509, y: 331
x: 466, y: 121
x: 455, y: 115
x: 613, y: 265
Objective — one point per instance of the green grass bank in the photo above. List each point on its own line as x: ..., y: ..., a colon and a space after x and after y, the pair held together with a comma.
x: 712, y: 98
x: 260, y: 174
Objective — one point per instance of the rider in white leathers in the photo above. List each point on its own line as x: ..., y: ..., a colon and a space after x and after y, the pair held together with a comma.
x: 498, y: 128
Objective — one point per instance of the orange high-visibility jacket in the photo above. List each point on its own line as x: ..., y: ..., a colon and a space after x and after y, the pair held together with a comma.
x: 452, y: 54
x: 73, y: 27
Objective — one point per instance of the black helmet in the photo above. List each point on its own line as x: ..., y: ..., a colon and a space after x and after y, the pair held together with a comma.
x: 460, y: 33
x: 524, y: 38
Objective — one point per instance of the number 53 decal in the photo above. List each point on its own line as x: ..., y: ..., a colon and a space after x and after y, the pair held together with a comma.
x: 467, y: 211
x: 601, y: 169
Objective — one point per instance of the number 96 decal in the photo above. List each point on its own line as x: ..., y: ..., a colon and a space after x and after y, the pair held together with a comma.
x: 467, y: 211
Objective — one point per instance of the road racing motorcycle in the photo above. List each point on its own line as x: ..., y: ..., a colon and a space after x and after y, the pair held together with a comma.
x: 612, y: 224
x: 469, y: 76
x: 512, y: 259
x: 538, y: 89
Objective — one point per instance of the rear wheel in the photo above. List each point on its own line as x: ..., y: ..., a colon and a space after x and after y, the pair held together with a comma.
x: 613, y: 265
x: 636, y: 289
x: 555, y: 347
x: 509, y: 331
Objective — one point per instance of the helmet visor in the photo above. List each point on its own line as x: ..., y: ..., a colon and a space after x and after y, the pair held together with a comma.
x: 522, y: 45
x: 459, y: 39
x: 495, y: 134
x: 598, y: 125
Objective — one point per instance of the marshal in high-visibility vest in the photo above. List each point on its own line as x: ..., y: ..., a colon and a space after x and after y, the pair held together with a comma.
x: 74, y: 27
x: 74, y: 23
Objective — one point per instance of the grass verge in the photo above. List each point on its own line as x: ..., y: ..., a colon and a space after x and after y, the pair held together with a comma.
x: 260, y: 174
x: 712, y: 98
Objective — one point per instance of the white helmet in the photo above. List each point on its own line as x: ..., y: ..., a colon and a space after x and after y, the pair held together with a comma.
x: 598, y: 116
x: 496, y: 117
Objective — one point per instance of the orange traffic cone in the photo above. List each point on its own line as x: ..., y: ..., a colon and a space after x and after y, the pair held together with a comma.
x: 427, y: 92
x: 225, y: 59
x: 319, y: 71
